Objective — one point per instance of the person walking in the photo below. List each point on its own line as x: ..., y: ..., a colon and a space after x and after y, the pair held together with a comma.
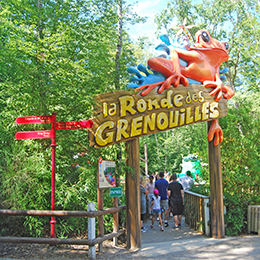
x: 143, y: 194
x: 156, y: 208
x: 162, y: 185
x: 176, y: 200
x: 150, y: 188
x: 186, y: 181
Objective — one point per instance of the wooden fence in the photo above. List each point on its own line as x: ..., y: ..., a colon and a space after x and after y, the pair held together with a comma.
x: 196, y: 211
x: 91, y: 214
x: 253, y: 219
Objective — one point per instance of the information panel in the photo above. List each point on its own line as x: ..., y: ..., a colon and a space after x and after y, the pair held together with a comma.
x: 106, y: 171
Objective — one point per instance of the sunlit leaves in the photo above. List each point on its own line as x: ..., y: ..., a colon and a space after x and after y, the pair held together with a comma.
x: 236, y: 22
x: 55, y: 56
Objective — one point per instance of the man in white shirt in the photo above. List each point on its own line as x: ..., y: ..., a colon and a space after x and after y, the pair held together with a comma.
x: 186, y: 181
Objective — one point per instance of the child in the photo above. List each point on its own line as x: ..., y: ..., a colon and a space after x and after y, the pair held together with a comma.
x: 150, y: 188
x: 156, y: 208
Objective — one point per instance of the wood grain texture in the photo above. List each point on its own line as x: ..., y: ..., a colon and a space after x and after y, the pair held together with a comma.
x: 133, y: 207
x: 139, y: 116
x: 216, y: 190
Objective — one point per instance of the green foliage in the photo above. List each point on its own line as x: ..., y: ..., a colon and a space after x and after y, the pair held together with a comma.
x: 202, y: 189
x: 236, y: 22
x: 55, y: 56
x: 235, y: 217
x: 143, y: 50
x: 240, y: 159
x: 166, y: 149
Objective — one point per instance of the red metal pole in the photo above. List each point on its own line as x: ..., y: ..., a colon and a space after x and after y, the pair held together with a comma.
x: 53, y: 146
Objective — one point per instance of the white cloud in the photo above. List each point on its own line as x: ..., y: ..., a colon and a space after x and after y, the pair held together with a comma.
x: 147, y: 9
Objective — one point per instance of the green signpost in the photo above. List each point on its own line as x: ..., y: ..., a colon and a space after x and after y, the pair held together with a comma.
x: 116, y: 192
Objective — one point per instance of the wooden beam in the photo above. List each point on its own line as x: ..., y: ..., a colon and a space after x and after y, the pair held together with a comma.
x: 133, y: 207
x: 61, y: 213
x: 68, y: 241
x: 216, y: 190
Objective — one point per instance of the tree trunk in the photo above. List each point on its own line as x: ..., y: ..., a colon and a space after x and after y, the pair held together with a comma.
x: 157, y: 147
x: 119, y: 45
x: 40, y: 28
x: 166, y: 147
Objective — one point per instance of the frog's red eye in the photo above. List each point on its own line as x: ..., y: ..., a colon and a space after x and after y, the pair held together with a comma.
x: 205, y: 37
x: 226, y: 46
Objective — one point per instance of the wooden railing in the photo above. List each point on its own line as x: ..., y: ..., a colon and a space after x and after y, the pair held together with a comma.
x: 196, y: 211
x: 91, y: 214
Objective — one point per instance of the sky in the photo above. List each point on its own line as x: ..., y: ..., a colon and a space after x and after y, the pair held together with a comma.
x: 147, y: 8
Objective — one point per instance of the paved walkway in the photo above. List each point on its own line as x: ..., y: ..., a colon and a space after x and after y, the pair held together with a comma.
x: 185, y: 243
x: 182, y: 244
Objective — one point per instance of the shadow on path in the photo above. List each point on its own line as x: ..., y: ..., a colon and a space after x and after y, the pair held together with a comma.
x: 169, y: 234
x: 184, y: 244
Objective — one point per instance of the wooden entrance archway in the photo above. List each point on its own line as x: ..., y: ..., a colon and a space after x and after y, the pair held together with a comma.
x: 125, y: 116
x: 133, y: 212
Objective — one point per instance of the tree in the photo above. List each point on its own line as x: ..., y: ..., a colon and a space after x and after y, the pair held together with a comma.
x: 240, y: 160
x: 238, y: 23
x: 166, y: 149
x: 56, y: 55
x: 234, y: 21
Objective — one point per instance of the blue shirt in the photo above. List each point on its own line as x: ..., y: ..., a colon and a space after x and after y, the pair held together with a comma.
x: 162, y: 185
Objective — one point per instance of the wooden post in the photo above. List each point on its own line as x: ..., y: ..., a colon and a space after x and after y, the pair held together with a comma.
x: 91, y: 231
x: 100, y: 203
x: 100, y: 218
x: 115, y: 220
x: 206, y: 216
x: 216, y: 190
x: 133, y: 207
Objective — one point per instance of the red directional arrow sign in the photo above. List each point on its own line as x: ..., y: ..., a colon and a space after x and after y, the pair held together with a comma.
x: 74, y: 125
x: 49, y: 134
x: 34, y: 119
x: 34, y: 135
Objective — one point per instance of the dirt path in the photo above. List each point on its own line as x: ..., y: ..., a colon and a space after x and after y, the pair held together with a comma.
x: 46, y: 252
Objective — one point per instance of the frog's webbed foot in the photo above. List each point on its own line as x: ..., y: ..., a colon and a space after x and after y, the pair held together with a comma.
x: 215, y: 131
x: 175, y: 80
x: 228, y: 92
x: 148, y: 87
x: 218, y: 88
x: 171, y: 70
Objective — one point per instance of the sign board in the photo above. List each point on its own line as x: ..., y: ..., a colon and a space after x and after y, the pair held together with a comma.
x: 47, y: 133
x: 122, y: 115
x: 106, y: 172
x: 73, y: 125
x: 116, y: 192
x: 34, y: 119
x: 34, y: 135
